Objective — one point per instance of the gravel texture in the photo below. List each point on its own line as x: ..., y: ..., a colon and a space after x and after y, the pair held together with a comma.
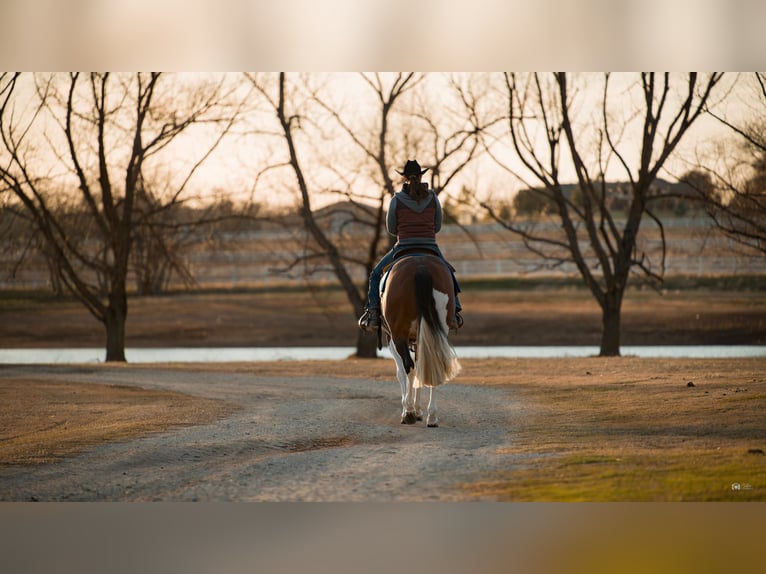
x: 289, y: 439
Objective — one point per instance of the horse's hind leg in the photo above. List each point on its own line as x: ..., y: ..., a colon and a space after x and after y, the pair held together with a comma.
x: 411, y: 412
x: 432, y: 420
x: 409, y: 415
x: 418, y: 410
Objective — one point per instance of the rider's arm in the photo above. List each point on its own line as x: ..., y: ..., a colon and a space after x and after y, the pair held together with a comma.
x: 391, y: 221
x: 438, y: 216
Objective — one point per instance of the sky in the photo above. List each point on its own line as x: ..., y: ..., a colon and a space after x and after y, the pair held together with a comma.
x: 235, y: 164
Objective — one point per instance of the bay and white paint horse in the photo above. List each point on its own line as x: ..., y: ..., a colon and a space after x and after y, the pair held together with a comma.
x: 418, y: 305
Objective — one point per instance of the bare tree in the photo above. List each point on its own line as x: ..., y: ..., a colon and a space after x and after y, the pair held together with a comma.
x: 19, y: 241
x: 397, y: 126
x: 377, y: 150
x: 733, y: 190
x: 98, y: 137
x: 167, y: 232
x: 549, y: 136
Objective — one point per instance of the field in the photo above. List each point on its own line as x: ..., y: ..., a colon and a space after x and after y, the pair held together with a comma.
x: 523, y: 313
x: 596, y: 429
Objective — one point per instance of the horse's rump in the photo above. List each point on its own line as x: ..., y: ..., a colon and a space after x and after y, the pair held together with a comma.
x: 400, y: 282
x: 418, y: 303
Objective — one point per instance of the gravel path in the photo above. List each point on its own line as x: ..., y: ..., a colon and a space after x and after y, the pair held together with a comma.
x: 294, y: 439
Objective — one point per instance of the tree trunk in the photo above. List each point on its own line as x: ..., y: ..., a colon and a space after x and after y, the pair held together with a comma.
x: 610, y: 320
x: 366, y: 345
x: 115, y: 320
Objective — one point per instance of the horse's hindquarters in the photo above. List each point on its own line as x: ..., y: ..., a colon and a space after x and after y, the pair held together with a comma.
x: 418, y: 298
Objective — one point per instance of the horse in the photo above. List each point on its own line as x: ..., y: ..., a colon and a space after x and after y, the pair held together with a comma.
x: 418, y: 310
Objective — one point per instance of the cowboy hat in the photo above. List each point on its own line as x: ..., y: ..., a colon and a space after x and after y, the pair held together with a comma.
x: 412, y: 167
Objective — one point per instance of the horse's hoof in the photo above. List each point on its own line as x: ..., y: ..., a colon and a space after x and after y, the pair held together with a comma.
x: 433, y: 425
x: 409, y: 419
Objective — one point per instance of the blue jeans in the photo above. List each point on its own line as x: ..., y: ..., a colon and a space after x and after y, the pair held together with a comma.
x: 373, y: 293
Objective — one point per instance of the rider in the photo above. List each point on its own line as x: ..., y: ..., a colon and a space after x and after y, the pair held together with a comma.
x: 414, y: 217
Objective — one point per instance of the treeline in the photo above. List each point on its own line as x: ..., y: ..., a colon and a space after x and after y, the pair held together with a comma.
x: 677, y: 199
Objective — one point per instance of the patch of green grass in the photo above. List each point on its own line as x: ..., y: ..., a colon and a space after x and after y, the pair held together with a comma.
x: 671, y: 282
x: 15, y: 298
x: 715, y: 282
x: 591, y: 459
x: 519, y: 283
x: 654, y: 476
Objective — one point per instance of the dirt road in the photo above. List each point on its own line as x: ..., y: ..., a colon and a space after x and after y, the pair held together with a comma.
x: 311, y: 438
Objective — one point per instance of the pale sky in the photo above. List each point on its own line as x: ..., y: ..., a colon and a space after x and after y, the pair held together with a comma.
x: 485, y: 177
x: 234, y: 166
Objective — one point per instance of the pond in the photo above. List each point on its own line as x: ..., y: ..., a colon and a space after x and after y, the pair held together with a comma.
x: 235, y: 354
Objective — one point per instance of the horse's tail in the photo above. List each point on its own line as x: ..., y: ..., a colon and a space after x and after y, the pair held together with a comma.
x: 436, y: 360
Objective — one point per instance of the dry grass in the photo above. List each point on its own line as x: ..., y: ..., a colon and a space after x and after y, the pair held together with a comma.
x: 632, y: 429
x: 43, y: 421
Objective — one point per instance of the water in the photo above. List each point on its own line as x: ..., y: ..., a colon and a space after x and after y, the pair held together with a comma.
x: 254, y: 354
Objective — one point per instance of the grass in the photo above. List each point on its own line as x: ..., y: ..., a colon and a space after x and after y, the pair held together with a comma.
x: 628, y: 429
x: 690, y: 475
x: 671, y: 282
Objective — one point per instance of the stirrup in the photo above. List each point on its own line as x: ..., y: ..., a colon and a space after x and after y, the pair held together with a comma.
x: 458, y: 319
x: 370, y: 320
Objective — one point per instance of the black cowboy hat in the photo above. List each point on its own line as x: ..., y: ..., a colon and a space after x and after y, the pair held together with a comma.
x: 412, y: 167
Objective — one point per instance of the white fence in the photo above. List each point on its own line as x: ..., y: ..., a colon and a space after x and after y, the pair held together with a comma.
x: 477, y: 251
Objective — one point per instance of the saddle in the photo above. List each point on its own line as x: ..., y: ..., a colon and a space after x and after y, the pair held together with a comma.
x: 413, y: 252
x: 417, y: 250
